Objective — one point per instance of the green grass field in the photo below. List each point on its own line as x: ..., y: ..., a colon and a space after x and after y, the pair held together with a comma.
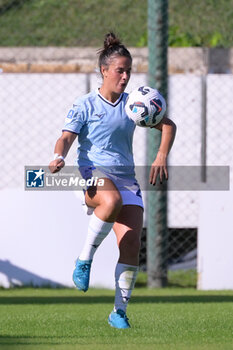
x: 66, y: 319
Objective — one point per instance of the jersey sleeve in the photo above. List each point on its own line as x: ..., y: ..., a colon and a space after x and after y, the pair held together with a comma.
x: 75, y: 119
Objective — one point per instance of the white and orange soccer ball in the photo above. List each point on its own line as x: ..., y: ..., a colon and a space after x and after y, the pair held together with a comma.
x: 145, y: 106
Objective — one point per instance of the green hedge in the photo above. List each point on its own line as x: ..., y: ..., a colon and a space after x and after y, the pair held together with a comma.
x: 84, y: 23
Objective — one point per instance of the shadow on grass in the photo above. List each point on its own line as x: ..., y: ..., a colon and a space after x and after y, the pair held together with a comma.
x: 21, y: 300
x: 23, y: 340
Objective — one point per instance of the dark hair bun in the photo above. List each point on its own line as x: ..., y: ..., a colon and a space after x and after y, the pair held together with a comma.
x: 110, y: 41
x: 112, y: 47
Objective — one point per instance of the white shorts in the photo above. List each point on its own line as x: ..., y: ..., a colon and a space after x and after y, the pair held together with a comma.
x: 128, y: 188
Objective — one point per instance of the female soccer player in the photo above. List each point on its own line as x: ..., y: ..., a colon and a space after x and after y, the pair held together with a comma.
x: 105, y: 148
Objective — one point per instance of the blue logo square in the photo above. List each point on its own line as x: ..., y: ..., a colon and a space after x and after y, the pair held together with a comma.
x: 35, y: 178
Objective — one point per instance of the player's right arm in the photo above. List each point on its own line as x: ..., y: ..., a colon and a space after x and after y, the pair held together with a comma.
x: 61, y: 149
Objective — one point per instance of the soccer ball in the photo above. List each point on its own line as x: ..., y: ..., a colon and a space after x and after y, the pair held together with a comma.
x: 145, y: 106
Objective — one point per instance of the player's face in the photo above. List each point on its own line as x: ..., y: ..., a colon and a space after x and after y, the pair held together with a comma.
x: 117, y: 74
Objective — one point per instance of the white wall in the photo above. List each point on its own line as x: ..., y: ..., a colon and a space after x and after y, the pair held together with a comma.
x: 42, y: 234
x: 215, y: 238
x: 215, y: 241
x: 32, y: 110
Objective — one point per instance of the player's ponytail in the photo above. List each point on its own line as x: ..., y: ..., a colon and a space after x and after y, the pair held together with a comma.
x: 112, y: 47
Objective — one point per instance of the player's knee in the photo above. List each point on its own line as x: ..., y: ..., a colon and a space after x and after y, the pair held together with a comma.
x: 113, y: 201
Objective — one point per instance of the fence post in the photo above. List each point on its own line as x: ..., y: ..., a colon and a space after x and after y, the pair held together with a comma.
x: 157, y: 200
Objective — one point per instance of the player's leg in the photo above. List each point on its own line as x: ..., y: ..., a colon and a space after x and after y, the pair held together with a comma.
x: 127, y: 227
x: 105, y: 199
x: 107, y: 203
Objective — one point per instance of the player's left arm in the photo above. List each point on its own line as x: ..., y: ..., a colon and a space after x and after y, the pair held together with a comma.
x: 159, y: 166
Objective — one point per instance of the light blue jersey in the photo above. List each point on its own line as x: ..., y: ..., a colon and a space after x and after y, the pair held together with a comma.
x: 105, y: 132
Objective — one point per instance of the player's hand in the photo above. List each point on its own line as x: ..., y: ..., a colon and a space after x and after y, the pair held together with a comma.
x: 56, y: 165
x: 159, y: 169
